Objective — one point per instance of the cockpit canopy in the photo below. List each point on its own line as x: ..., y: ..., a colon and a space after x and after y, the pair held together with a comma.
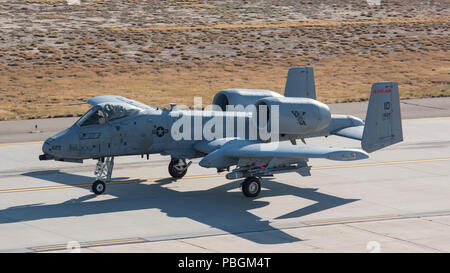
x: 106, y: 112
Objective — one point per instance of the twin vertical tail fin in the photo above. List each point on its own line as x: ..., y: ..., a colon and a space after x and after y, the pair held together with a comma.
x: 300, y: 83
x: 383, y: 125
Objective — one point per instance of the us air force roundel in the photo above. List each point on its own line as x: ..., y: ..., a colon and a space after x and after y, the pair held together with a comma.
x: 160, y: 131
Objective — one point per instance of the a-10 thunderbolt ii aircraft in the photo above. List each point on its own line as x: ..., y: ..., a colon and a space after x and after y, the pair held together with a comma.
x: 116, y: 126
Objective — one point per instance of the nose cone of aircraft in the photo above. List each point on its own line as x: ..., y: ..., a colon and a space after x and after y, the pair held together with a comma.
x: 52, y: 146
x: 55, y: 145
x: 46, y: 146
x: 47, y: 149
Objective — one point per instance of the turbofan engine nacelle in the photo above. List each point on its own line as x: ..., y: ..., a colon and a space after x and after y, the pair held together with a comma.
x: 243, y: 97
x: 296, y: 115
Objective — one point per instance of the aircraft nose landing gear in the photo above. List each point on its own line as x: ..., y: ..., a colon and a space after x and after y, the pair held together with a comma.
x: 103, y: 172
x: 178, y: 167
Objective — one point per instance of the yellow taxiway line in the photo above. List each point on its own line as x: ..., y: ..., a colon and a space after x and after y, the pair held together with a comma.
x: 381, y: 163
x: 217, y: 175
x: 20, y: 143
x: 108, y: 183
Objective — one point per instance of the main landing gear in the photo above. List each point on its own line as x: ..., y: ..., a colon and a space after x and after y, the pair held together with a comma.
x: 98, y: 187
x: 178, y: 167
x: 103, y: 172
x: 251, y: 186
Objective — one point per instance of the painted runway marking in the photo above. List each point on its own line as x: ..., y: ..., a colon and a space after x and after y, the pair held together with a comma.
x: 91, y: 244
x: 218, y: 175
x: 21, y: 143
x: 380, y: 163
x: 108, y: 183
x: 353, y: 220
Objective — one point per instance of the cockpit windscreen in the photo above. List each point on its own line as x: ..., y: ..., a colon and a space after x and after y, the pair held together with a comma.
x: 118, y: 111
x: 101, y: 114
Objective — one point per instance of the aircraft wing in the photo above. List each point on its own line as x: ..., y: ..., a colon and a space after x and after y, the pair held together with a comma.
x: 116, y: 99
x: 288, y: 150
x: 244, y: 152
x: 257, y: 158
x: 351, y: 132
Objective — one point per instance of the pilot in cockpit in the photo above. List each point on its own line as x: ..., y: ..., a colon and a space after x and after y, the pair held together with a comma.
x: 101, y: 120
x: 102, y: 114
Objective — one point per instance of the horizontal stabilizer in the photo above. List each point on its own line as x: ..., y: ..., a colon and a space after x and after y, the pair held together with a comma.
x: 351, y: 132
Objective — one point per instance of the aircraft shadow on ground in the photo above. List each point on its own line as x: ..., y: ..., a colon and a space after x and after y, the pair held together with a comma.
x: 215, y: 207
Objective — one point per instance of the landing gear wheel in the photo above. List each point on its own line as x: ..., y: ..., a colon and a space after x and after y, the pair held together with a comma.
x: 98, y: 187
x: 251, y: 186
x: 177, y: 168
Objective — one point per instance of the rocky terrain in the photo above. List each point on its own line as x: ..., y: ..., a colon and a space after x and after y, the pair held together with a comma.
x: 54, y: 52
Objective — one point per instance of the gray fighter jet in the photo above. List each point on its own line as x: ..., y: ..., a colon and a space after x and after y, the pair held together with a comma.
x: 232, y: 133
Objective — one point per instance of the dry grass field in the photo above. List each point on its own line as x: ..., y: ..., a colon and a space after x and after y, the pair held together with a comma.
x: 53, y: 54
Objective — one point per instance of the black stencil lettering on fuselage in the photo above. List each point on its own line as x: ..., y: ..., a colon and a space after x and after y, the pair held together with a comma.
x: 73, y: 147
x: 299, y: 116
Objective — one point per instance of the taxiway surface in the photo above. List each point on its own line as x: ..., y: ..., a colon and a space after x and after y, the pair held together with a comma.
x: 395, y: 201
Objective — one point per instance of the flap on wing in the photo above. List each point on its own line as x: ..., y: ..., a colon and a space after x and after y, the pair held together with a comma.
x: 293, y: 151
x: 351, y: 132
x: 116, y: 99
